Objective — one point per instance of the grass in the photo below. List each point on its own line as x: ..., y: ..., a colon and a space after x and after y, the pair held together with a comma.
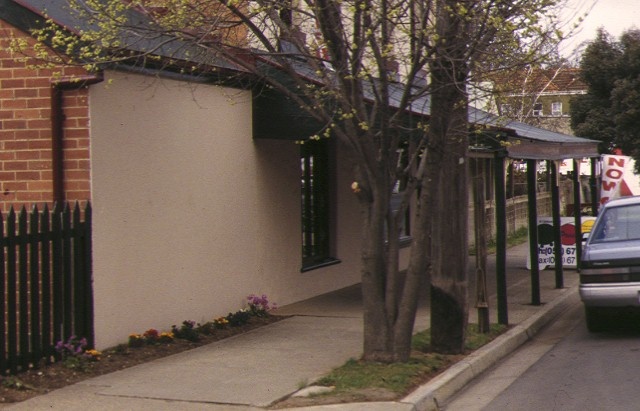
x: 520, y: 236
x: 401, y: 378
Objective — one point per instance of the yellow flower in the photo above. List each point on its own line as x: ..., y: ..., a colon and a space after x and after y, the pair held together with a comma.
x: 94, y: 354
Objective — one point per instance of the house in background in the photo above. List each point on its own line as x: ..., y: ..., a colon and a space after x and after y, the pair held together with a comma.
x: 540, y: 97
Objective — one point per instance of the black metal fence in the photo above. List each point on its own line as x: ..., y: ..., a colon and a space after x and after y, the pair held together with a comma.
x: 45, y: 283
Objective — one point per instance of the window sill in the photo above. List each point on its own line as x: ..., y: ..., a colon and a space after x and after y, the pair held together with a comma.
x: 405, y: 241
x: 325, y: 263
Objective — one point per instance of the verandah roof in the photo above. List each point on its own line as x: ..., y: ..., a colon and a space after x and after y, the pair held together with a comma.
x: 277, y: 117
x: 528, y: 142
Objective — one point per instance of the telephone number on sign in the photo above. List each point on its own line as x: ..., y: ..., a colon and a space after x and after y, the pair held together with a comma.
x: 563, y: 251
x: 552, y: 260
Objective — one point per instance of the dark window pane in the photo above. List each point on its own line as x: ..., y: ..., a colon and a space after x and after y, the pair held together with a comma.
x: 314, y: 175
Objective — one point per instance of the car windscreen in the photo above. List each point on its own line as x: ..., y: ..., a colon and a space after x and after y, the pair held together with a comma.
x: 618, y: 224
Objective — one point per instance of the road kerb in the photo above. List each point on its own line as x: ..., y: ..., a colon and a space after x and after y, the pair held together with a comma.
x: 429, y: 396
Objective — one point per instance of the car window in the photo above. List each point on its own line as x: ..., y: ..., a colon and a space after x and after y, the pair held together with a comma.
x: 617, y: 224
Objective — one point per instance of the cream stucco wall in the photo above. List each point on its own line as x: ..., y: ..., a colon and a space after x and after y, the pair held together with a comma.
x: 191, y: 214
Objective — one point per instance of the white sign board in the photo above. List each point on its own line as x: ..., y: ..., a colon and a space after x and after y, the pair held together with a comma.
x: 546, y: 257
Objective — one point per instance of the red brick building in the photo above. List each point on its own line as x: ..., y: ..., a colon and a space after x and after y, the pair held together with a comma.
x: 44, y: 134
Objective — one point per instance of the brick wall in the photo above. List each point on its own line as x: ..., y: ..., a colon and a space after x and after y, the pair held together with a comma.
x: 26, y: 161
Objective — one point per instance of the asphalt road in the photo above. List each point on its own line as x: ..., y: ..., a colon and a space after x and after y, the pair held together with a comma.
x: 563, y: 368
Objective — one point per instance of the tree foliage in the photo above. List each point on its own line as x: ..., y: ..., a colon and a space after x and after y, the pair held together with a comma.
x: 609, y: 110
x: 358, y: 67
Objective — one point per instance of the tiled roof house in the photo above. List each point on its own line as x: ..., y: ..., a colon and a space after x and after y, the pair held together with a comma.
x: 540, y: 97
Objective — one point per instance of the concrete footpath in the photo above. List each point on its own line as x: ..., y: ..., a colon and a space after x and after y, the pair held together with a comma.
x: 253, y: 370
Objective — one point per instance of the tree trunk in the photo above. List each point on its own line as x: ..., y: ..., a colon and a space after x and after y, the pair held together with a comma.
x: 377, y: 344
x: 390, y: 299
x: 449, y: 306
x: 447, y: 171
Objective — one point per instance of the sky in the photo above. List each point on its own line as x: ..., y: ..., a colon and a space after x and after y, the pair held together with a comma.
x: 615, y: 16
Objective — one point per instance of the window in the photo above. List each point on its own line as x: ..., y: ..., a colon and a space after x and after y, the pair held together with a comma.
x: 316, y: 205
x: 537, y: 109
x: 396, y: 198
x: 618, y: 224
x: 556, y: 109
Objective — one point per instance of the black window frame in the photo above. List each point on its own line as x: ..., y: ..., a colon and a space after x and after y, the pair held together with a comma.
x: 397, y: 194
x: 316, y: 205
x: 538, y: 109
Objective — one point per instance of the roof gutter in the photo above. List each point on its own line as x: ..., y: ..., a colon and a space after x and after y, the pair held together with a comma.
x: 58, y: 86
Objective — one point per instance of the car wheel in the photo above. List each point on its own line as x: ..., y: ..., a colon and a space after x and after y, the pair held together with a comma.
x: 596, y: 320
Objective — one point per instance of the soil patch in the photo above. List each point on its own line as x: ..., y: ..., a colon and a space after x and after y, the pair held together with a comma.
x: 50, y: 377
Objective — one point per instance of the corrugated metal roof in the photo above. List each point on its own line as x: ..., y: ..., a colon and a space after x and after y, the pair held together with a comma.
x: 525, y: 141
x: 531, y: 142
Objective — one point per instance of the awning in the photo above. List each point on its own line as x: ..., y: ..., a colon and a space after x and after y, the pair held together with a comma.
x: 277, y: 117
x: 529, y: 142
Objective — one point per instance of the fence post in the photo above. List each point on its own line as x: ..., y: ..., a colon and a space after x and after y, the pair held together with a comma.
x: 3, y: 293
x: 47, y: 289
x: 68, y: 273
x: 35, y: 282
x: 88, y: 274
x: 57, y: 273
x: 12, y: 320
x: 83, y: 306
x: 23, y: 289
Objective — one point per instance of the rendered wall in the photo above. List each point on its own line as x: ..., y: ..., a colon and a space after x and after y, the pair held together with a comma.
x: 190, y: 214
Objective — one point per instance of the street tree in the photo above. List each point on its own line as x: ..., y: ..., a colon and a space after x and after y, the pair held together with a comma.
x: 592, y: 114
x: 358, y: 68
x: 625, y: 96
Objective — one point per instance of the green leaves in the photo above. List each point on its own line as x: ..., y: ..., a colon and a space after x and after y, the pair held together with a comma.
x: 609, y: 111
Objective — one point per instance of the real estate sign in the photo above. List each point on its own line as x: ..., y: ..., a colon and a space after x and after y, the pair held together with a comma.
x: 618, y: 178
x: 546, y: 257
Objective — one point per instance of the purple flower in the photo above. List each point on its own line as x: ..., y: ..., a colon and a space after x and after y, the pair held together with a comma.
x: 72, y: 347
